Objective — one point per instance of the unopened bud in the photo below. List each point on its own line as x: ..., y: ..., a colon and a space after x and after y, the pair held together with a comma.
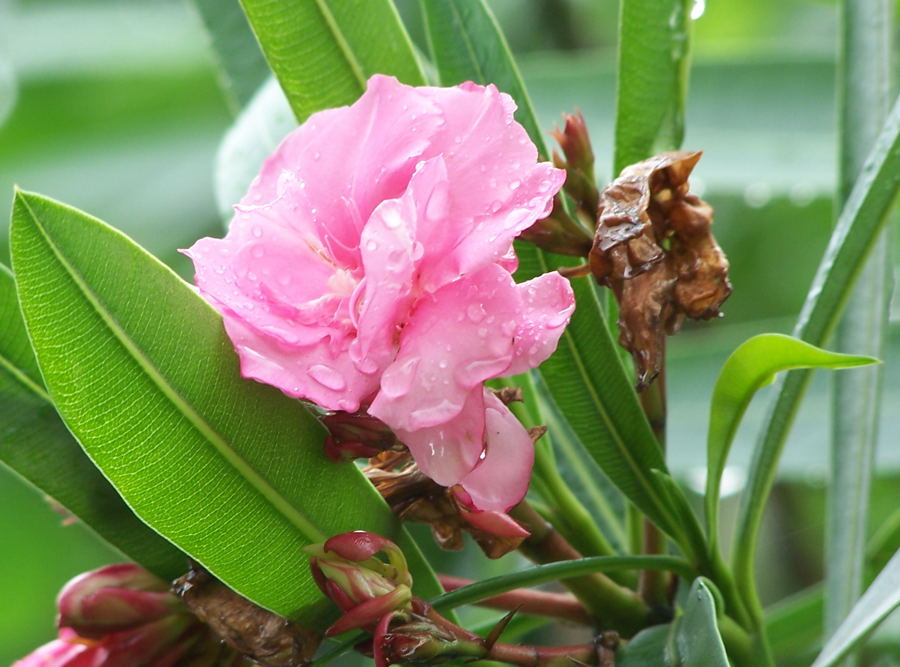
x: 347, y: 570
x: 559, y: 233
x: 112, y: 599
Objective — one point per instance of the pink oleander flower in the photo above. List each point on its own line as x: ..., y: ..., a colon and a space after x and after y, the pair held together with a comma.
x: 370, y: 266
x: 123, y: 616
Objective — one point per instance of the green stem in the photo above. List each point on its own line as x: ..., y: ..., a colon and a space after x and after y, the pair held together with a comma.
x: 566, y: 504
x: 612, y: 605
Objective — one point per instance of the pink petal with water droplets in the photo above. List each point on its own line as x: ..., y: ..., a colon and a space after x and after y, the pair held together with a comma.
x: 455, y: 339
x: 500, y: 479
x: 447, y: 451
x: 497, y: 187
x: 352, y: 158
x: 322, y: 373
x: 547, y: 306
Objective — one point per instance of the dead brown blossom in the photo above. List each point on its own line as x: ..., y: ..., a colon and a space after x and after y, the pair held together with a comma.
x: 415, y: 497
x: 262, y: 636
x: 655, y: 249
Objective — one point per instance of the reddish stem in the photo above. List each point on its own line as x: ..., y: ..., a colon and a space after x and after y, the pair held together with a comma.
x: 537, y: 603
x: 543, y: 656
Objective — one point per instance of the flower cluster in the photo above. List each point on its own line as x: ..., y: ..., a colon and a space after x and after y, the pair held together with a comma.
x: 370, y: 267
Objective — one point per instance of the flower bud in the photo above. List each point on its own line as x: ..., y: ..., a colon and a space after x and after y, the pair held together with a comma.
x: 123, y: 616
x: 364, y: 587
x: 112, y: 599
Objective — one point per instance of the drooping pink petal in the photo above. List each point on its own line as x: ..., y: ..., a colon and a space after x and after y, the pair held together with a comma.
x: 447, y: 451
x: 547, y: 306
x: 62, y: 653
x: 500, y: 479
x: 495, y: 523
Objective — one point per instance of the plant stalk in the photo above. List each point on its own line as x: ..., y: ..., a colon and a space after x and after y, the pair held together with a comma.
x: 612, y: 606
x: 655, y: 586
x: 537, y: 603
x: 864, y: 96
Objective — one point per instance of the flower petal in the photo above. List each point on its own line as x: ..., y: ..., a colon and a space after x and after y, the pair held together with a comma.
x: 500, y: 479
x: 352, y: 158
x: 322, y: 373
x: 547, y: 306
x: 498, y: 188
x: 446, y: 452
x: 455, y: 340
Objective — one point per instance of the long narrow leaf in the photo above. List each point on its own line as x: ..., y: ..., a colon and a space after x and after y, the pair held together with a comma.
x: 540, y: 574
x: 242, y: 68
x: 323, y: 51
x: 141, y: 370
x: 467, y: 45
x: 864, y: 82
x: 750, y: 367
x: 860, y: 222
x: 651, y: 90
x: 588, y: 384
x: 881, y: 598
x: 35, y: 444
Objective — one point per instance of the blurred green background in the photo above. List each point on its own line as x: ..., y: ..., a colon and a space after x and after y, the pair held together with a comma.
x: 114, y: 107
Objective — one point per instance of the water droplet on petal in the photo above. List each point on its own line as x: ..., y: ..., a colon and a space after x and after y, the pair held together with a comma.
x: 475, y: 312
x: 514, y: 185
x: 317, y: 155
x: 392, y: 219
x: 371, y: 246
x: 257, y: 231
x: 398, y: 379
x: 327, y: 377
x: 258, y: 251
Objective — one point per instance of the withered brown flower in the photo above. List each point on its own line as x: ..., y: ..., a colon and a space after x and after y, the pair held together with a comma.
x: 655, y: 249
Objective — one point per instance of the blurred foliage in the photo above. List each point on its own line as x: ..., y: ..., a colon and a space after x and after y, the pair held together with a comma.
x: 113, y: 106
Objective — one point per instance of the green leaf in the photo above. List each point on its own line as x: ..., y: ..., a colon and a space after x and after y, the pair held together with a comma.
x: 540, y: 574
x: 750, y: 367
x: 794, y: 625
x: 692, y: 640
x: 858, y: 226
x: 879, y: 600
x: 467, y: 44
x: 242, y: 68
x: 588, y: 383
x: 35, y: 444
x: 323, y: 51
x: 695, y: 640
x: 647, y: 649
x: 142, y: 372
x: 864, y: 83
x: 253, y: 137
x: 651, y: 91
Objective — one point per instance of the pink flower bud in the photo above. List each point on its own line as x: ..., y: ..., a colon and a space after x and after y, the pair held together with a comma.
x: 112, y: 599
x: 368, y: 613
